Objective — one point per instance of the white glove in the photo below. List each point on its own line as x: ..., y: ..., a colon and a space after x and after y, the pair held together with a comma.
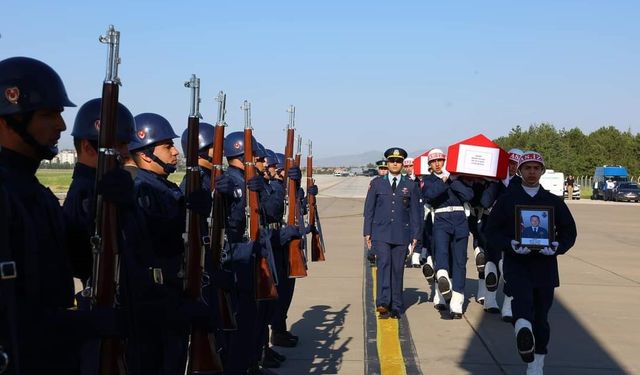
x: 519, y: 249
x: 409, y: 250
x: 550, y: 250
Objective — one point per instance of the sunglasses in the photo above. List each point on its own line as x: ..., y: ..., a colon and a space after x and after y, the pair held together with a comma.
x: 394, y: 160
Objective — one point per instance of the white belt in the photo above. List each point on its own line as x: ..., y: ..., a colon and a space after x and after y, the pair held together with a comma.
x: 449, y: 209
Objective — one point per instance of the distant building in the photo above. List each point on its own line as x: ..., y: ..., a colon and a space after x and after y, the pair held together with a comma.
x: 65, y: 157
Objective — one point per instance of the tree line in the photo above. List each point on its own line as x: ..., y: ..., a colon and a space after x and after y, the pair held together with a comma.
x: 573, y: 152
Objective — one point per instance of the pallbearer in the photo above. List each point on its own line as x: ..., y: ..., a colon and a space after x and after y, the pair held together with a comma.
x: 532, y: 275
x: 447, y: 194
x: 493, y: 268
x: 392, y: 228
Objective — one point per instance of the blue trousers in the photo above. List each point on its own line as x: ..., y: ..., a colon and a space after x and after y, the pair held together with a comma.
x: 448, y: 247
x: 390, y: 272
x: 533, y: 304
x: 285, y: 285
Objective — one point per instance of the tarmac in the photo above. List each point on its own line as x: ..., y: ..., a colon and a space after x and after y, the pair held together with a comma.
x: 595, y: 319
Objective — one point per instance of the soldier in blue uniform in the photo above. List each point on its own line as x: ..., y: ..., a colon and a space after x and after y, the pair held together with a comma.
x: 162, y: 206
x: 532, y: 275
x: 392, y: 224
x: 493, y: 267
x: 446, y: 195
x: 39, y: 333
x: 477, y: 219
x: 77, y: 204
x: 242, y: 347
x: 205, y: 154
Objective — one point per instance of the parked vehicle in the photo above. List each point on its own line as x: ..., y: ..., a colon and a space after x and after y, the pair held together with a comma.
x: 371, y: 172
x: 626, y: 192
x: 553, y: 181
x: 576, y: 191
x: 615, y: 173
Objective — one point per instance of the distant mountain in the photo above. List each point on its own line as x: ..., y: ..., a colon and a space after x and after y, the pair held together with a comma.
x: 354, y: 160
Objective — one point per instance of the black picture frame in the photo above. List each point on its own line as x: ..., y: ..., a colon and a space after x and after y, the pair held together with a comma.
x: 534, y: 235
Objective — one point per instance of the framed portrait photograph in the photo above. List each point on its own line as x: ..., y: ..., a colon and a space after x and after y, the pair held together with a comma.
x: 534, y: 226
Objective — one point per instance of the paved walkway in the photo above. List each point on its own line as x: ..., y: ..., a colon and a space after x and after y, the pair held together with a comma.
x: 595, y: 319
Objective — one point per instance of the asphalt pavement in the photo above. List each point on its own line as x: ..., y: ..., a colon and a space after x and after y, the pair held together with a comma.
x: 595, y: 319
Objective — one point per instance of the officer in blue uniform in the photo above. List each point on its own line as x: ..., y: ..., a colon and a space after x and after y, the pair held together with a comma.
x: 163, y: 208
x: 493, y: 266
x: 392, y: 224
x: 532, y: 275
x: 38, y: 331
x: 382, y: 167
x: 447, y: 194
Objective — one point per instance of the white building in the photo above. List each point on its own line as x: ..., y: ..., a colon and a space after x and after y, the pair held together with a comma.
x: 65, y: 156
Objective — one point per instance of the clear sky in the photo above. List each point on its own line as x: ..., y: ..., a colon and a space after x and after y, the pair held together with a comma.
x: 363, y: 75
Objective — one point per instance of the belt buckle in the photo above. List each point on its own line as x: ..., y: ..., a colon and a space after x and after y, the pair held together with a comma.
x: 449, y: 208
x: 8, y: 270
x: 156, y: 274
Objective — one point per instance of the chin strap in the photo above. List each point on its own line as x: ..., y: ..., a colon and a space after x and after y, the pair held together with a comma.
x: 168, y: 168
x: 19, y: 124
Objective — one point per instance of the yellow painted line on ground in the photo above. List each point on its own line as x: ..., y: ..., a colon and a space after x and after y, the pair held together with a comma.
x: 388, y: 341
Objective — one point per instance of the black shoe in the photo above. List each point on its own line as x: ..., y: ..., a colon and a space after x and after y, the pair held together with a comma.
x: 481, y: 260
x: 440, y: 307
x: 526, y: 344
x: 395, y: 314
x: 444, y: 287
x: 493, y: 310
x: 282, y: 339
x: 456, y: 315
x: 269, y: 361
x: 372, y: 259
x: 382, y: 308
x: 279, y: 357
x: 291, y: 336
x: 491, y: 280
x: 384, y: 315
x: 428, y: 272
x: 507, y: 319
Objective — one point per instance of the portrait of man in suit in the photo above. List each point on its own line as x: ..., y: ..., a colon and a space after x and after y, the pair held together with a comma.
x: 537, y: 232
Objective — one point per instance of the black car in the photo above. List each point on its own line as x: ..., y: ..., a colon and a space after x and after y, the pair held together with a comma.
x: 371, y: 172
x: 627, y: 191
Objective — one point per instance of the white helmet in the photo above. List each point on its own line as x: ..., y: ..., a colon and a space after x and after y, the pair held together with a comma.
x: 531, y: 156
x: 515, y: 154
x: 436, y: 154
x: 407, y: 162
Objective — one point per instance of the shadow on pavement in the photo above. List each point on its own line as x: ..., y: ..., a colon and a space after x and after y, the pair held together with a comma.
x: 573, y: 350
x: 322, y: 328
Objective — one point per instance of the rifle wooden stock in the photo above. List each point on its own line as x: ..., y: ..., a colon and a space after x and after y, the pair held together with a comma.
x: 297, y: 267
x: 265, y: 285
x: 218, y: 214
x: 105, y: 238
x: 203, y: 356
x: 317, y: 247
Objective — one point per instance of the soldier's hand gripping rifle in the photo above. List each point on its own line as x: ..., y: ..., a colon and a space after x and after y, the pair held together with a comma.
x: 104, y: 241
x: 317, y: 242
x: 297, y: 267
x: 217, y: 218
x: 265, y: 285
x: 203, y: 355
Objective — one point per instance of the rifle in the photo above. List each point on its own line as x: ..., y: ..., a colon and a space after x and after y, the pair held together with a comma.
x: 317, y: 244
x: 217, y: 218
x: 265, y: 285
x: 203, y: 356
x: 106, y: 265
x: 297, y: 267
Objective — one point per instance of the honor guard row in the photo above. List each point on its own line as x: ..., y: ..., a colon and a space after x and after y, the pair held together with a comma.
x: 434, y: 218
x: 176, y: 277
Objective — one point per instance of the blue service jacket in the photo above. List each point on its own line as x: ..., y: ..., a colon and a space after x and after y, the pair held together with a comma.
x: 541, y: 270
x: 272, y: 201
x: 205, y: 180
x: 439, y: 194
x: 496, y: 189
x: 162, y: 205
x: 79, y: 219
x: 44, y: 290
x: 392, y: 217
x: 236, y: 205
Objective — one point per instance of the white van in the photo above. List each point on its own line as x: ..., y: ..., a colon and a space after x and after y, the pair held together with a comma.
x: 553, y: 181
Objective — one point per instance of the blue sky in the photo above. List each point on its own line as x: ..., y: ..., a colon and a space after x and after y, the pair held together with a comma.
x: 362, y: 75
